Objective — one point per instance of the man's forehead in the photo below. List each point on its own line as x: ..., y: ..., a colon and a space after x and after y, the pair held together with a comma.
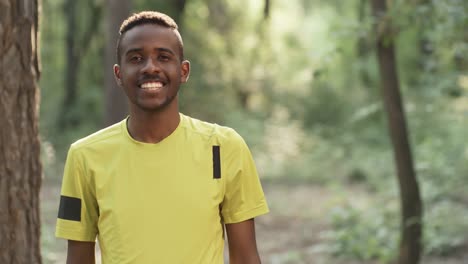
x: 149, y: 31
x: 153, y: 33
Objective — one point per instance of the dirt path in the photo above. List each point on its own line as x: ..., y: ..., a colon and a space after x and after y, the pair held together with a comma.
x: 289, y: 234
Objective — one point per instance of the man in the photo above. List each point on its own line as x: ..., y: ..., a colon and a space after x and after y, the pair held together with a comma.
x: 158, y: 187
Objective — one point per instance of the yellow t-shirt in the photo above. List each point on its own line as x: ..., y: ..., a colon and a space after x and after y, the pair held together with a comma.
x: 159, y: 203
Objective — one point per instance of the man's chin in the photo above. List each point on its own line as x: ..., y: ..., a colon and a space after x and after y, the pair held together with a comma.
x: 156, y: 107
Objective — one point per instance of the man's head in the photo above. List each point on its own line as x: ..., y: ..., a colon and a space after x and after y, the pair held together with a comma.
x: 149, y: 17
x: 150, y: 65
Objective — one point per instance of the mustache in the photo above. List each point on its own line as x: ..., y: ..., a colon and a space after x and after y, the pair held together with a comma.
x: 151, y: 77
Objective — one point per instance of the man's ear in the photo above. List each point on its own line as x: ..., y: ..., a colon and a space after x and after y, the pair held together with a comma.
x: 185, y: 71
x: 117, y: 74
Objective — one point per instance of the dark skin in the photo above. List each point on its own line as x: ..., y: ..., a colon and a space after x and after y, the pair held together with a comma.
x: 150, y: 55
x: 80, y: 252
x: 242, y: 243
x: 151, y: 72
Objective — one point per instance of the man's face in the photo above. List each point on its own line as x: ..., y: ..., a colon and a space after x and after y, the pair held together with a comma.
x: 151, y: 69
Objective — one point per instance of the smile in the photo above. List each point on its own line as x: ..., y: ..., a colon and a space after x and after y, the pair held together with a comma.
x: 152, y: 85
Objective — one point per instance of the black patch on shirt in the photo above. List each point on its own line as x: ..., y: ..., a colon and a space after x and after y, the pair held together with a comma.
x: 70, y: 208
x: 216, y: 163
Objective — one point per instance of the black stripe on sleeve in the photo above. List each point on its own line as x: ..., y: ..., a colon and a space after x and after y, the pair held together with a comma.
x: 216, y: 163
x: 70, y: 208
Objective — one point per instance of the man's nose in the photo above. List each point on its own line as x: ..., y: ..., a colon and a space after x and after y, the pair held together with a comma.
x: 151, y: 66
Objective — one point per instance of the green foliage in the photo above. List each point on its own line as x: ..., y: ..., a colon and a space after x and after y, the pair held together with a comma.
x: 445, y: 222
x: 302, y: 88
x: 88, y: 108
x: 372, y: 231
x: 366, y: 234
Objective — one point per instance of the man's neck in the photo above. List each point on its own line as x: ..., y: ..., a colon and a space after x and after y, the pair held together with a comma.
x: 153, y: 127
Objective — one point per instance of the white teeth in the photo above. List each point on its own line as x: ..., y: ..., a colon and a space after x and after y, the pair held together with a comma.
x: 151, y: 85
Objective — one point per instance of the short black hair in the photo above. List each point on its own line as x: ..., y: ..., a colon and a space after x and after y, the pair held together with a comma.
x: 149, y: 17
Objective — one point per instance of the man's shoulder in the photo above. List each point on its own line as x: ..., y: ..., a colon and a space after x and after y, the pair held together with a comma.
x: 99, y: 137
x: 209, y: 130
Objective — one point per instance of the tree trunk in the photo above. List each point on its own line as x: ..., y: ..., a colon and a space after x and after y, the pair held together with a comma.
x: 266, y: 9
x: 115, y: 102
x: 20, y: 167
x: 179, y: 7
x: 411, y: 207
x: 173, y: 8
x: 68, y: 118
x: 78, y: 39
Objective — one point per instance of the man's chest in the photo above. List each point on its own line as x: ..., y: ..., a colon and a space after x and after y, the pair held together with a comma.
x: 178, y: 184
x: 149, y: 202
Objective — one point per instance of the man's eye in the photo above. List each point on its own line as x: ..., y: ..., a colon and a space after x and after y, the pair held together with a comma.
x: 164, y: 58
x: 136, y: 59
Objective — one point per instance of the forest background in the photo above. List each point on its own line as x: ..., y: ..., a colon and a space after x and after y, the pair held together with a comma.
x: 299, y: 80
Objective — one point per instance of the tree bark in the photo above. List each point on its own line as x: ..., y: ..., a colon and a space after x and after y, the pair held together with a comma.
x: 411, y: 206
x: 20, y: 167
x: 116, y: 107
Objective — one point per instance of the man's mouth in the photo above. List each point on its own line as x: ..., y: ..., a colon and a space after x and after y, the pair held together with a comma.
x: 151, y: 85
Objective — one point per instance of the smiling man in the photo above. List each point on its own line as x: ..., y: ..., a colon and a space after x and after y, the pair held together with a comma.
x: 159, y: 186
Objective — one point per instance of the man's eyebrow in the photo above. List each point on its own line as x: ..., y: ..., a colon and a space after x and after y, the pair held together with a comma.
x: 166, y: 50
x: 133, y: 50
x: 141, y: 49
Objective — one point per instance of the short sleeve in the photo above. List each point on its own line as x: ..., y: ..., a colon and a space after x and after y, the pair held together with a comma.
x: 78, y: 209
x: 244, y: 198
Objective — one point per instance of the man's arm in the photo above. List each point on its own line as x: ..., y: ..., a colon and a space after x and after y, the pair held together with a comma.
x: 242, y: 243
x: 80, y: 252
